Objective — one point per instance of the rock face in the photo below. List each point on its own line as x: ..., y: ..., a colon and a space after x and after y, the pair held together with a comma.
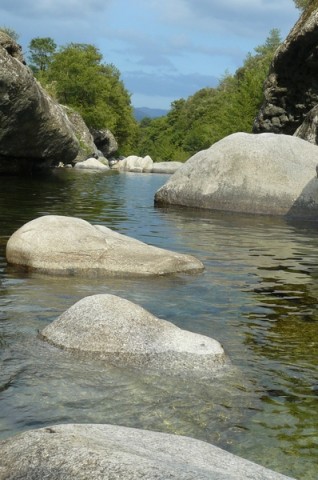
x: 86, y: 141
x: 35, y: 131
x: 308, y: 130
x: 264, y: 174
x: 105, y: 141
x: 125, y: 334
x: 166, y: 167
x: 133, y: 163
x: 291, y: 89
x: 104, y: 452
x: 91, y: 164
x: 67, y: 246
x: 11, y: 47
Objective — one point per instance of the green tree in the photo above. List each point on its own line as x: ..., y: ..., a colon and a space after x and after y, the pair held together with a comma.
x: 41, y: 53
x: 211, y: 113
x: 9, y: 31
x: 79, y: 79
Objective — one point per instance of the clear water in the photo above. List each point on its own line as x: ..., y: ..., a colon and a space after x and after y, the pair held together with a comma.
x: 257, y: 296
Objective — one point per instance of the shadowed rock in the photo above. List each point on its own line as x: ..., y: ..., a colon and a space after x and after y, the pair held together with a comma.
x: 291, y: 88
x: 104, y: 452
x: 264, y: 174
x: 35, y: 131
x: 69, y: 246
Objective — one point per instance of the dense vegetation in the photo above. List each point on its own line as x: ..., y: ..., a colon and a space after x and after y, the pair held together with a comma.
x: 75, y: 75
x: 211, y: 113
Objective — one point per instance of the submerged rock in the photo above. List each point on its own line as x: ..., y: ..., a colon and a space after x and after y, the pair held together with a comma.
x: 68, y: 246
x: 101, y: 452
x: 264, y: 174
x: 125, y: 334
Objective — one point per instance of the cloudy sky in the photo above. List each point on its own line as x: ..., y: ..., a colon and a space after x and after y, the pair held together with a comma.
x: 164, y: 49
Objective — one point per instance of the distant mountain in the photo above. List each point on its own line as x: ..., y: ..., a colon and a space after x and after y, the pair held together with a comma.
x: 143, y: 112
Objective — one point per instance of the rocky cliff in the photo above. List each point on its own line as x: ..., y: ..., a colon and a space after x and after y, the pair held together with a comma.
x: 35, y: 132
x: 291, y: 88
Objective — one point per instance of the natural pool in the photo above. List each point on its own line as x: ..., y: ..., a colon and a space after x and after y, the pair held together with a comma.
x: 257, y: 296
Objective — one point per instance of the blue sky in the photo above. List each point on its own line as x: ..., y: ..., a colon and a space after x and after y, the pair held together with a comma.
x: 164, y: 49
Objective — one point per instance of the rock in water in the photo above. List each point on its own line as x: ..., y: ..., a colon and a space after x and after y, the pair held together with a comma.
x: 264, y: 174
x: 107, y: 452
x: 68, y: 246
x: 125, y: 334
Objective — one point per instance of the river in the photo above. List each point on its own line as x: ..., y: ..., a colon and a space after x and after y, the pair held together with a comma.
x: 257, y: 296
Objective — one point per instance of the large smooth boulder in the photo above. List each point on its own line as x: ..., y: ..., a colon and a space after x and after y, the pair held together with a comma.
x: 264, y: 174
x: 166, y: 167
x: 125, y: 334
x: 136, y: 164
x: 291, y: 88
x: 34, y: 130
x: 108, y: 452
x: 67, y: 246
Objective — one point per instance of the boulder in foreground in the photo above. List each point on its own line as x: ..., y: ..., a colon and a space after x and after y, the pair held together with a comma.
x: 68, y: 246
x: 263, y: 174
x: 104, y: 452
x: 125, y: 334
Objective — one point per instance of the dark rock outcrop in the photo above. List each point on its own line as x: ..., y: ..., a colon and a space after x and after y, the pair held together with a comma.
x: 308, y: 130
x: 105, y: 141
x: 34, y: 130
x: 291, y: 88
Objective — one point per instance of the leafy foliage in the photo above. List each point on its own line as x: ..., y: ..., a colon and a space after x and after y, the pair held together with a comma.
x: 76, y: 77
x: 211, y: 113
x: 41, y: 53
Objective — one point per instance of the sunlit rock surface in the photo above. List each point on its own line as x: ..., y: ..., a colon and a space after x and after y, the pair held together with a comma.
x: 263, y: 174
x: 68, y: 246
x: 91, y: 164
x: 100, y: 452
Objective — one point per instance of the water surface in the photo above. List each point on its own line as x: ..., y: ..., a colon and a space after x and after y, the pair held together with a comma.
x: 257, y: 296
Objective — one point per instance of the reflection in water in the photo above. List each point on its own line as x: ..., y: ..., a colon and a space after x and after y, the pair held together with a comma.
x: 257, y: 296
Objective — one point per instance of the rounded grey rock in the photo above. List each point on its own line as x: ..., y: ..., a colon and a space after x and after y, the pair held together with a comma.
x: 68, y: 246
x: 264, y: 174
x: 115, y: 329
x: 107, y: 452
